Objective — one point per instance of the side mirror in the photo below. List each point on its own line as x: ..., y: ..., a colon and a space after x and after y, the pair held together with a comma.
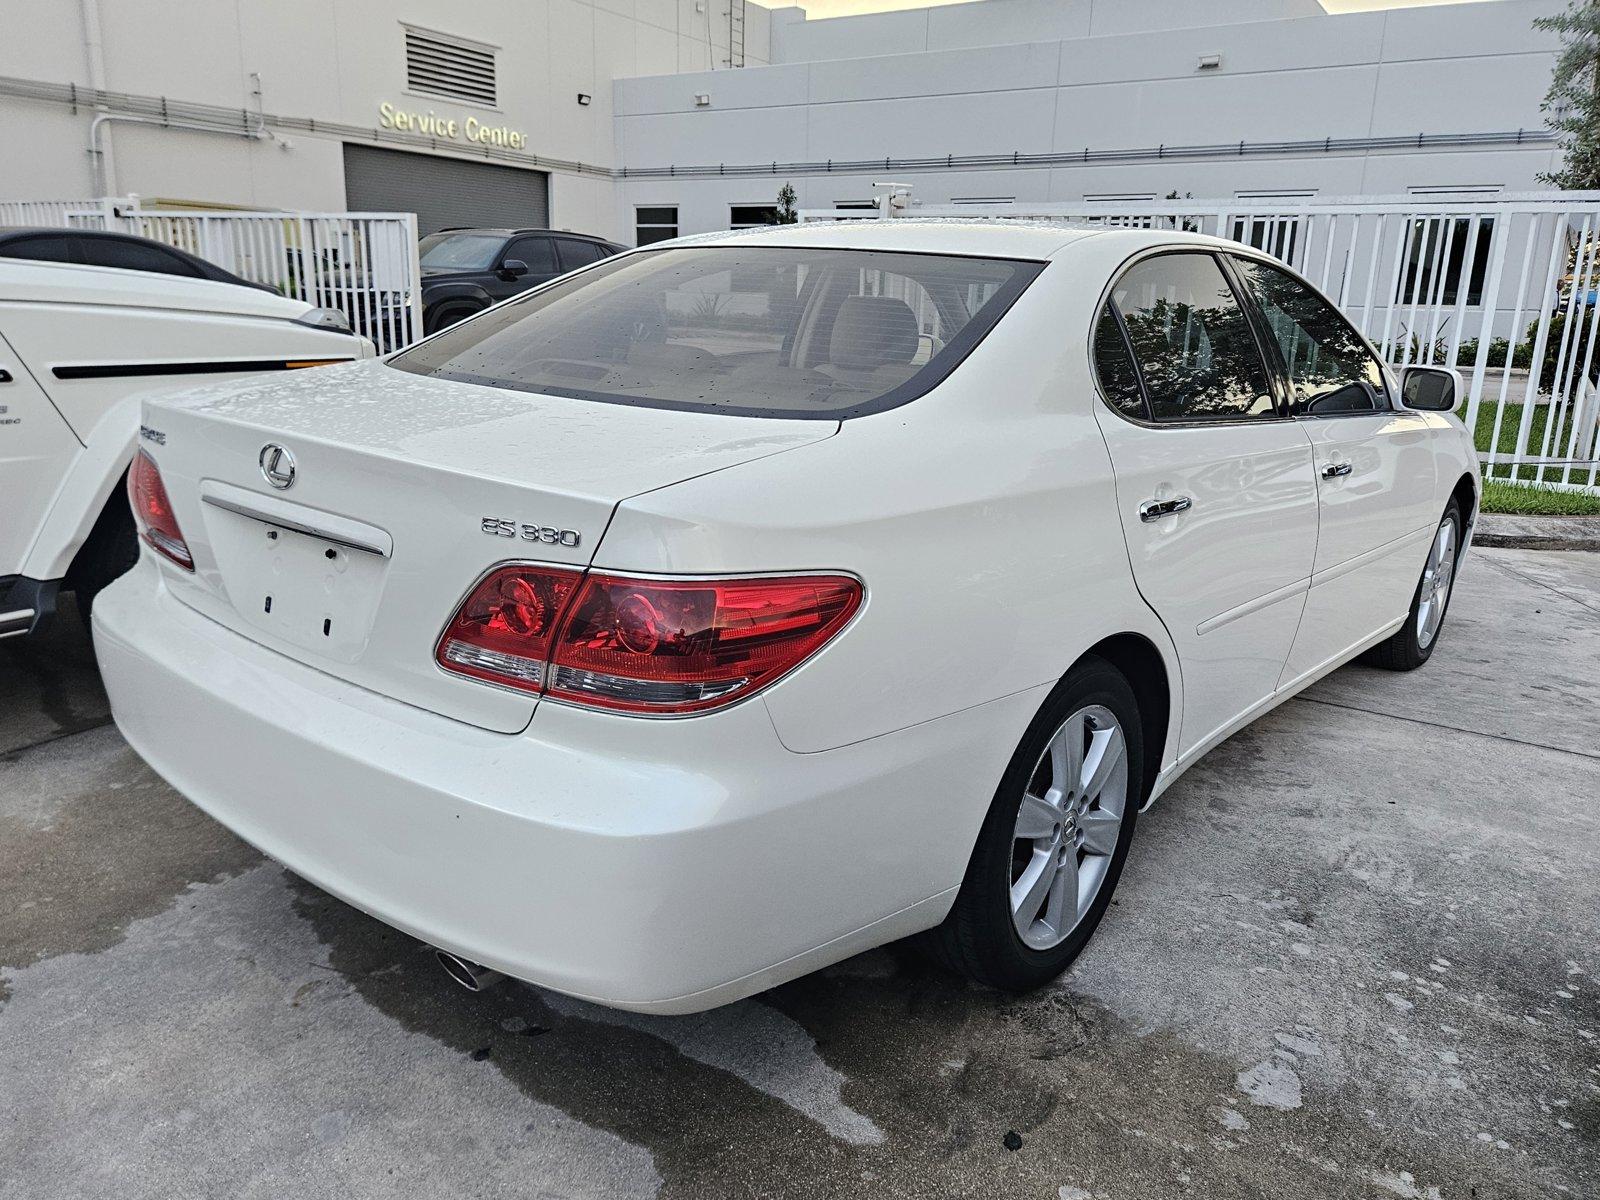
x: 513, y: 268
x: 1430, y: 389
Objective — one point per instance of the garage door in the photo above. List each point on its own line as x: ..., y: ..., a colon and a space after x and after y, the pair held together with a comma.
x: 444, y: 192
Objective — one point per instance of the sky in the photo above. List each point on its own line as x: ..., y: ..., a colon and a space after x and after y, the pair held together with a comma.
x: 844, y: 8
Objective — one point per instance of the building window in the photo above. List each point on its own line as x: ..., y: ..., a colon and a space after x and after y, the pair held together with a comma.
x: 1435, y: 256
x: 655, y: 224
x: 752, y: 216
x: 441, y: 65
x: 856, y: 205
x: 983, y: 199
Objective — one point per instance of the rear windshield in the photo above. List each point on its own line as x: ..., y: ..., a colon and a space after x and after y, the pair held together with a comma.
x: 754, y: 330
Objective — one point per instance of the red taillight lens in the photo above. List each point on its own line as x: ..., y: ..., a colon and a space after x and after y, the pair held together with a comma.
x: 152, y: 509
x: 682, y: 646
x: 502, y: 632
x: 642, y: 645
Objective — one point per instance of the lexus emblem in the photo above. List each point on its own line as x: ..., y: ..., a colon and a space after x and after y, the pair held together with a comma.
x: 277, y: 465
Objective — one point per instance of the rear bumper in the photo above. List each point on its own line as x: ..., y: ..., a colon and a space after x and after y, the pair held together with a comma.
x: 667, y: 866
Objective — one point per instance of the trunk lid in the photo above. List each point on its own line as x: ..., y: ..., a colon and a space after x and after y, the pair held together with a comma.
x: 405, y: 490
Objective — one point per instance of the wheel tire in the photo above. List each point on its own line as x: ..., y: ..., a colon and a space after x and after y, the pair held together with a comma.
x: 445, y: 315
x: 980, y: 937
x: 1412, y: 645
x: 111, y: 550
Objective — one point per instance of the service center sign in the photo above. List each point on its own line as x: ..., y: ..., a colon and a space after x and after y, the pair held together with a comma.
x: 433, y: 125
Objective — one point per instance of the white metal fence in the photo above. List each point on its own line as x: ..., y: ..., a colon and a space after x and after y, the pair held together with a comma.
x: 363, y: 264
x: 1504, y: 288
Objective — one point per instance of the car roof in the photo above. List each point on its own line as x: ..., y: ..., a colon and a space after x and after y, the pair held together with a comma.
x: 29, y: 281
x: 1001, y: 238
x: 588, y: 237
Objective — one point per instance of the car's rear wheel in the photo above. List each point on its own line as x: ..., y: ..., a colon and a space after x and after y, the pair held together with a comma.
x: 1412, y: 644
x: 1053, y: 843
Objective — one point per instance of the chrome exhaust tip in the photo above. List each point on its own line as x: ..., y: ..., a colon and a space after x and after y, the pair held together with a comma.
x: 475, y: 977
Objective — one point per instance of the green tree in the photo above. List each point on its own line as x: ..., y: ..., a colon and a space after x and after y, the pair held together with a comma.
x: 786, y: 205
x: 1572, y: 105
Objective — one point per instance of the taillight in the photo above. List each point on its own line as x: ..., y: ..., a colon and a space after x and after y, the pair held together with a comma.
x: 501, y: 633
x: 648, y: 645
x: 152, y: 509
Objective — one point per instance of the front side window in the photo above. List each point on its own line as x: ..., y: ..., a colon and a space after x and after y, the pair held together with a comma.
x: 536, y: 252
x: 755, y: 330
x: 1193, y: 342
x: 1329, y: 368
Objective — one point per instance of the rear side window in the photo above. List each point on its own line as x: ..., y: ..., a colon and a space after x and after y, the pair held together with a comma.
x: 575, y: 254
x: 1194, y: 344
x: 134, y: 256
x: 1329, y: 368
x: 755, y: 330
x: 44, y: 248
x: 1119, y: 381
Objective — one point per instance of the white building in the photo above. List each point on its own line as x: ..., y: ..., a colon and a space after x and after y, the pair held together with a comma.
x: 639, y: 118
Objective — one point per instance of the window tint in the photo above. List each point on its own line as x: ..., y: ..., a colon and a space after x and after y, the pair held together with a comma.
x: 1330, y: 369
x: 537, y: 252
x: 134, y: 256
x: 575, y: 254
x: 1119, y: 382
x: 1193, y: 343
x: 742, y: 329
x: 47, y: 248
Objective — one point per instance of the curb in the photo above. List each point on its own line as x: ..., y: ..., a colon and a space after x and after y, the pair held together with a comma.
x: 1508, y: 532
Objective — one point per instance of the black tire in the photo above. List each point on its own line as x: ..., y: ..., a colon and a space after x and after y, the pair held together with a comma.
x: 978, y: 939
x: 111, y: 550
x: 1404, y: 649
x: 442, y: 316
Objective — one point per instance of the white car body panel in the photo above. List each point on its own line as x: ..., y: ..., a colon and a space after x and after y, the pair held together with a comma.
x: 64, y: 442
x: 670, y: 865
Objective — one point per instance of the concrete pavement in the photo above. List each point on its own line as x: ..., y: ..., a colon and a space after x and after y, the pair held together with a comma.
x: 1355, y: 953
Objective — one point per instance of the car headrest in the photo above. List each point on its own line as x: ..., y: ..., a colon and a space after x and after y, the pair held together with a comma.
x: 872, y: 332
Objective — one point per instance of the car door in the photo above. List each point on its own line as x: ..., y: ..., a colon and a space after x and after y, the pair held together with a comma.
x: 538, y: 253
x: 36, y: 448
x: 1374, y: 463
x: 1214, y: 481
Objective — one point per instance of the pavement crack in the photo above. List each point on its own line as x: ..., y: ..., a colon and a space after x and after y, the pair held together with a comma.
x: 1493, y: 737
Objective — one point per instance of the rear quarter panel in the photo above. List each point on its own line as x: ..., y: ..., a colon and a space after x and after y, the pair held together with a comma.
x: 980, y: 517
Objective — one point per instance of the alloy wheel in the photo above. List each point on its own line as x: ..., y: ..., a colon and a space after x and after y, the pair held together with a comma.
x: 1437, y: 579
x: 1068, y: 825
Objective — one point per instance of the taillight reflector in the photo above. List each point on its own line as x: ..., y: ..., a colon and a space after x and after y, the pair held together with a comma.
x: 501, y: 633
x: 152, y: 509
x: 669, y: 647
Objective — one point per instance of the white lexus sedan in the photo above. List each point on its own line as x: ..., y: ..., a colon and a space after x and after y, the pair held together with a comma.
x: 732, y: 606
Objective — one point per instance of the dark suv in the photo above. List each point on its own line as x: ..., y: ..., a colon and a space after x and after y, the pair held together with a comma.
x: 466, y: 270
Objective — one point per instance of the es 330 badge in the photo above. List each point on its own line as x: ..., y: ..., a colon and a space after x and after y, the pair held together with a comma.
x: 501, y: 527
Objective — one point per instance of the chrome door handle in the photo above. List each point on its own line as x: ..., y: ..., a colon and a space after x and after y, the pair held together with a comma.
x: 1334, y: 470
x: 1154, y: 510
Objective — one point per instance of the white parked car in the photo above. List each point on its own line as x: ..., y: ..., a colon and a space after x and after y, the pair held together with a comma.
x: 730, y: 607
x: 78, y: 346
